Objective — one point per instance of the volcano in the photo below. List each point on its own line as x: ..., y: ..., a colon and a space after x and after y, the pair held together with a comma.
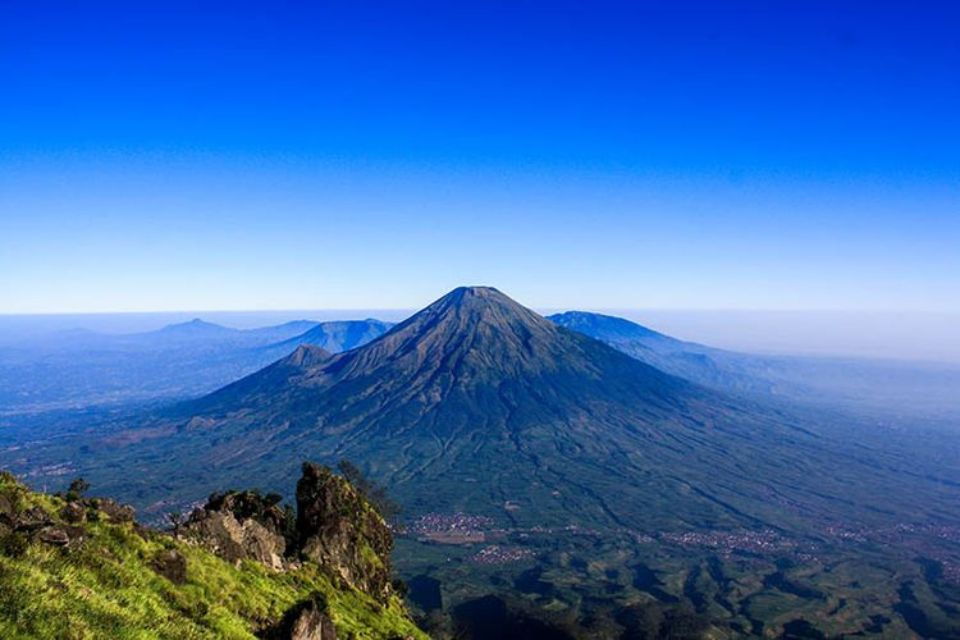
x: 478, y: 404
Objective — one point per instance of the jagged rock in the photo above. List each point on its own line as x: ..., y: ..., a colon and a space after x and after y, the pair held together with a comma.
x: 336, y: 528
x: 54, y: 535
x: 73, y: 512
x: 236, y: 540
x: 245, y: 505
x: 307, y: 620
x: 172, y: 565
x: 61, y: 535
x: 115, y: 511
x: 238, y: 526
x: 339, y: 530
x: 313, y: 625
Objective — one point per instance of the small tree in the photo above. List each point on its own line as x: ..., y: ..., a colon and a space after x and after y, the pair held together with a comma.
x: 77, y: 489
x: 176, y: 520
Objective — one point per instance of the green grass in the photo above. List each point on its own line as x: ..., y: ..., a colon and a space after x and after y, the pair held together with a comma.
x: 106, y: 588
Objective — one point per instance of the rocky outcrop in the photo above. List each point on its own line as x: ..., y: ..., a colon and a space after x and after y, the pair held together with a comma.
x: 335, y: 527
x: 111, y: 510
x: 74, y: 512
x: 35, y: 523
x: 339, y: 530
x: 57, y: 536
x: 238, y: 526
x: 307, y: 620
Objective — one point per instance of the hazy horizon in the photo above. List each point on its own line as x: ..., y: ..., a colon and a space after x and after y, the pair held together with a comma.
x: 908, y: 336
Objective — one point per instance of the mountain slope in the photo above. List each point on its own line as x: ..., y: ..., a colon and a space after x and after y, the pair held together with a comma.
x: 479, y: 404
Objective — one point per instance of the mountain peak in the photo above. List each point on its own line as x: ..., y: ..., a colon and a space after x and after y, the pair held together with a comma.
x: 471, y: 337
x: 194, y: 326
x: 478, y: 304
x: 475, y: 327
x: 306, y: 356
x: 478, y: 291
x: 473, y: 386
x: 472, y: 297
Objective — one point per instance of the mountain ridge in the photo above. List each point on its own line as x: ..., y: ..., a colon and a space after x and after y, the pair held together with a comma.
x: 852, y: 385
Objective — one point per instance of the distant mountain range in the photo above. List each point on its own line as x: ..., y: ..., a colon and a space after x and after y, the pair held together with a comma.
x: 81, y: 369
x: 479, y: 404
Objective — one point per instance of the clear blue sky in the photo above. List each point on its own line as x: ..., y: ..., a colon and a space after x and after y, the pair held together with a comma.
x: 270, y: 155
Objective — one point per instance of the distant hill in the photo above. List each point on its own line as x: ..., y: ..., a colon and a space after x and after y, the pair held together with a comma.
x: 338, y: 335
x: 884, y: 387
x: 708, y: 366
x: 195, y: 328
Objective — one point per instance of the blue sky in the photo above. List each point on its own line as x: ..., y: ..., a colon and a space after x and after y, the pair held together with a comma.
x: 736, y: 155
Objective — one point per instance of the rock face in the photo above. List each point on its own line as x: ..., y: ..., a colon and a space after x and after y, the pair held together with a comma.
x: 338, y: 529
x: 307, y: 620
x: 74, y: 512
x: 238, y: 526
x: 113, y: 510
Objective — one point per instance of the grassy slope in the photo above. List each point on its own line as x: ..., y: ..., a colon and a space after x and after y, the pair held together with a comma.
x: 107, y: 588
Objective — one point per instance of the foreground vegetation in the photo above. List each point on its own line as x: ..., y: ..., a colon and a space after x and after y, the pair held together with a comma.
x: 106, y: 579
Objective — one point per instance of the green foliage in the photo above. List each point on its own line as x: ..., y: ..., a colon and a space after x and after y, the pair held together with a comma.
x: 106, y: 587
